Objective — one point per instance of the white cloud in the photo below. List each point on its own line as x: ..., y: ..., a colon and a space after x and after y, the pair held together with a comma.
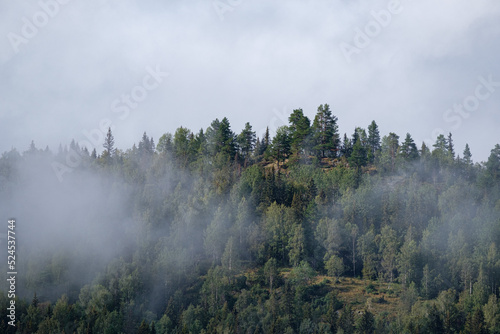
x: 262, y: 56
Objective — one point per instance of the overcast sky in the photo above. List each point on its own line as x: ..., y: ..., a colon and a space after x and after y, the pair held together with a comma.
x: 67, y: 67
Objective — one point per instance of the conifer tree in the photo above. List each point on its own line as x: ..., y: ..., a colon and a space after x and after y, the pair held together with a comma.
x: 225, y: 139
x: 450, y: 147
x: 408, y: 148
x: 358, y: 157
x: 246, y: 141
x: 325, y: 132
x: 109, y: 143
x: 346, y: 149
x: 299, y: 130
x: 467, y: 155
x: 373, y: 141
x: 281, y: 145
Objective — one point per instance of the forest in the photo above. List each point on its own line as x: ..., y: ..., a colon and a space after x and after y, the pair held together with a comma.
x: 218, y: 231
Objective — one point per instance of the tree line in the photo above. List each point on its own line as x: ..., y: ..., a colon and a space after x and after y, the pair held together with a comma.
x: 235, y: 231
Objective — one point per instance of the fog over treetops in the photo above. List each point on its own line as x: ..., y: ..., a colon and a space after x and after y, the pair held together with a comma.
x: 219, y: 229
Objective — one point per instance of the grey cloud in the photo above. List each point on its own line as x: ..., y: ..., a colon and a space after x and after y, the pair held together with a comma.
x: 262, y: 56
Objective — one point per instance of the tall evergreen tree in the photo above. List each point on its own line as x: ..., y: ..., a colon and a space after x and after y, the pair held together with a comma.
x: 145, y: 145
x: 299, y: 130
x: 165, y: 144
x: 408, y: 148
x: 325, y: 132
x: 225, y: 138
x: 493, y: 163
x: 425, y: 152
x: 440, y: 153
x: 181, y: 145
x: 450, y: 147
x: 109, y: 144
x: 358, y: 157
x: 360, y: 133
x: 390, y: 149
x: 265, y: 143
x: 373, y: 141
x: 346, y: 149
x: 246, y: 141
x: 467, y: 155
x: 281, y: 145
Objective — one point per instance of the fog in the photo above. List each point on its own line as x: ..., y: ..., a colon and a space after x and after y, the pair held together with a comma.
x: 83, y: 222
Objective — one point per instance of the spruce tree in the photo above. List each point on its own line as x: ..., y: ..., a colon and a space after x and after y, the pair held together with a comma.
x: 281, y: 145
x: 325, y: 132
x: 299, y: 130
x: 408, y: 149
x: 358, y: 157
x: 109, y: 144
x: 467, y: 159
x: 373, y: 141
x: 450, y: 147
x: 246, y: 141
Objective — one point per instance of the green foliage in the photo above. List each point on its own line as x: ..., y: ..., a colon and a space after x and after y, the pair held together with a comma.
x: 325, y: 132
x: 221, y: 233
x: 373, y: 141
x: 299, y: 131
x: 302, y: 274
x: 280, y: 148
x: 246, y: 142
x: 335, y: 266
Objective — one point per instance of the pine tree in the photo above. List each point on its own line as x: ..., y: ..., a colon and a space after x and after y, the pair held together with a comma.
x: 246, y: 141
x: 424, y: 151
x: 325, y: 132
x: 441, y: 154
x: 109, y: 144
x: 109, y: 150
x: 408, y: 148
x: 450, y: 147
x: 181, y: 146
x: 390, y: 149
x: 346, y: 149
x: 358, y: 157
x: 225, y: 139
x: 467, y: 159
x: 281, y: 145
x: 145, y: 145
x: 360, y: 133
x: 201, y: 143
x: 493, y: 163
x: 265, y: 142
x: 165, y: 144
x: 373, y: 141
x: 299, y: 130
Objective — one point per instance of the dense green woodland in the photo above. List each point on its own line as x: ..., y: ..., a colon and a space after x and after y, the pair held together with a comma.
x: 238, y: 234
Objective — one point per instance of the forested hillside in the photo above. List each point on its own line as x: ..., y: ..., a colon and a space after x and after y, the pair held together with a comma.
x: 218, y: 231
